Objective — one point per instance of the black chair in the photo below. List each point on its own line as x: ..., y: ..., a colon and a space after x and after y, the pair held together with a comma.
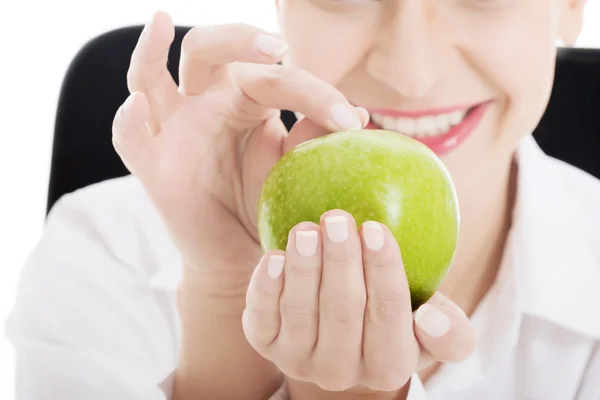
x: 95, y: 86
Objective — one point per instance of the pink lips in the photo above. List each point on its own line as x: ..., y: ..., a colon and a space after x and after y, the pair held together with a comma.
x: 450, y: 140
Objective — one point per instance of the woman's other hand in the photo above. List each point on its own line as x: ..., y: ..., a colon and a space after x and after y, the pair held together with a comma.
x: 335, y: 310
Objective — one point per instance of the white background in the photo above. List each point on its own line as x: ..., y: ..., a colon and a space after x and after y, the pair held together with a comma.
x: 38, y: 39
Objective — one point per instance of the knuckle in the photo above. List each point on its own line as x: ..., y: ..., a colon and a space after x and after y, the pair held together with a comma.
x: 261, y: 317
x: 297, y: 316
x: 341, y: 254
x: 381, y: 311
x: 389, y: 380
x: 301, y: 270
x: 192, y: 38
x: 275, y: 76
x: 264, y: 294
x: 335, y: 380
x: 298, y: 369
x: 345, y: 311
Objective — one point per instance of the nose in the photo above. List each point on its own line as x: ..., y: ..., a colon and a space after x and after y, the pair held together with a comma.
x: 411, y: 51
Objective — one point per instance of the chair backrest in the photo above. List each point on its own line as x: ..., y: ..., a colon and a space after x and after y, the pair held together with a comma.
x: 95, y: 86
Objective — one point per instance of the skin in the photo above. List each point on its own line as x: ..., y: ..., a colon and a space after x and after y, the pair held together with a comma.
x: 202, y: 151
x: 426, y: 54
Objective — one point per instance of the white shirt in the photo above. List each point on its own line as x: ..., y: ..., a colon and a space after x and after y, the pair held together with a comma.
x: 95, y: 316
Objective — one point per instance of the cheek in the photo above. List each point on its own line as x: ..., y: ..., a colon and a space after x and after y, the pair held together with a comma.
x: 519, y: 65
x: 326, y: 44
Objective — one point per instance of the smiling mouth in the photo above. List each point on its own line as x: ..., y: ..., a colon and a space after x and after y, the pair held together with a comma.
x: 423, y: 126
x: 441, y: 130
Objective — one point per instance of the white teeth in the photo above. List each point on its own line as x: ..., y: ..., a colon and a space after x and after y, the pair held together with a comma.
x: 456, y: 117
x: 443, y: 122
x: 426, y: 126
x: 432, y: 125
x: 407, y: 126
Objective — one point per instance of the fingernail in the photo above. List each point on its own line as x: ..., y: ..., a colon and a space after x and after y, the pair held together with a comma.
x: 337, y: 228
x: 128, y: 103
x: 345, y: 117
x: 373, y: 235
x: 306, y: 242
x: 275, y: 265
x: 270, y: 45
x: 365, y: 116
x: 460, y: 310
x: 148, y: 27
x: 432, y: 321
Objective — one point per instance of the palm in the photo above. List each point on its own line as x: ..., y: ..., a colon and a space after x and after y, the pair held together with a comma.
x: 218, y: 135
x: 208, y: 176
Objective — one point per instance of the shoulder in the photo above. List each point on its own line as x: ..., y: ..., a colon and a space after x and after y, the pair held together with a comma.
x: 578, y: 195
x: 554, y: 243
x: 84, y: 301
x: 578, y: 184
x: 117, y: 215
x: 556, y: 193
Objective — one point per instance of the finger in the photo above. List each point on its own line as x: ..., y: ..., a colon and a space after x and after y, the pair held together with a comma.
x: 444, y: 331
x: 305, y: 129
x: 299, y: 302
x: 207, y: 51
x: 131, y: 139
x: 342, y: 302
x: 261, y: 319
x: 148, y: 71
x: 302, y: 131
x: 285, y: 88
x: 390, y: 349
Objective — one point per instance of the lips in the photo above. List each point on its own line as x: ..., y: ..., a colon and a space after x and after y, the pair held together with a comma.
x: 441, y: 130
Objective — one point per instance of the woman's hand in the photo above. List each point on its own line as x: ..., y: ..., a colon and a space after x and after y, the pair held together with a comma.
x: 203, y: 149
x: 335, y: 310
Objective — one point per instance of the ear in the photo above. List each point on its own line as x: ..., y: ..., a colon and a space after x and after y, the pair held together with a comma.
x: 571, y: 21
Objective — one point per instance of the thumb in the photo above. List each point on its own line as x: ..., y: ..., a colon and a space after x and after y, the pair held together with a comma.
x: 131, y: 138
x: 444, y: 331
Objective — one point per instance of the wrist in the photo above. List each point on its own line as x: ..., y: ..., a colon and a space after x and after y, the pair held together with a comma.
x: 215, y: 358
x: 217, y: 283
x: 304, y: 391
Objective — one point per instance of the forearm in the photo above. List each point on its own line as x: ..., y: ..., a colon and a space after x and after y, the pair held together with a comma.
x: 308, y: 391
x: 216, y: 361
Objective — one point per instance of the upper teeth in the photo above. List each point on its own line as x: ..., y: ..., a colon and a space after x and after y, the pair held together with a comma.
x: 423, y: 126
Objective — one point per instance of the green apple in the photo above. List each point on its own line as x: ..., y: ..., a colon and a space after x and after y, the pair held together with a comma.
x: 374, y: 175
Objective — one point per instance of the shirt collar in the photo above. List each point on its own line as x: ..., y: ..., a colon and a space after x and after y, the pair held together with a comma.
x: 550, y: 269
x: 555, y: 241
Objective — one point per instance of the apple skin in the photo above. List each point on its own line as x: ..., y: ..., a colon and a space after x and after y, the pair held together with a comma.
x: 373, y: 175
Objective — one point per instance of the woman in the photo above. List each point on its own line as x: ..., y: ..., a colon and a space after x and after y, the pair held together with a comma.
x: 104, y: 313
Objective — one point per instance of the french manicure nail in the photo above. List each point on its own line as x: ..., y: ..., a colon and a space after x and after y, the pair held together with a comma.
x: 337, y: 228
x: 345, y: 117
x: 128, y: 103
x: 270, y: 45
x: 148, y: 28
x: 373, y: 235
x: 365, y: 116
x: 306, y: 242
x: 275, y: 265
x: 432, y: 321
